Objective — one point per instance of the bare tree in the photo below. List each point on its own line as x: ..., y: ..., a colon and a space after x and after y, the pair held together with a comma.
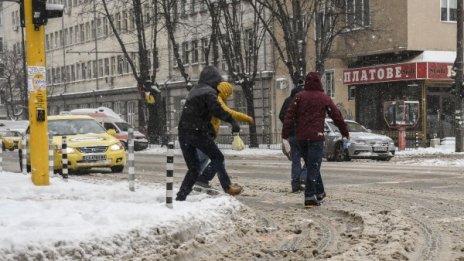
x: 145, y: 16
x: 172, y: 22
x: 240, y: 35
x: 293, y: 18
x: 12, y: 88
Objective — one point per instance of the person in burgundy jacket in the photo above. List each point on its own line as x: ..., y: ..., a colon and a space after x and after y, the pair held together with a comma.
x: 307, y: 113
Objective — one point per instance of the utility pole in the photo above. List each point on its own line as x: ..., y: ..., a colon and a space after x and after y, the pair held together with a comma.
x: 36, y: 14
x: 459, y: 79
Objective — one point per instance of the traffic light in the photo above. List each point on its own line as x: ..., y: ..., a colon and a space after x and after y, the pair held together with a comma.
x: 41, y: 12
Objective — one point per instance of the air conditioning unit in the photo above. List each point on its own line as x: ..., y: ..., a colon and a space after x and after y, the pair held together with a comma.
x: 68, y: 10
x: 281, y: 83
x: 15, y: 28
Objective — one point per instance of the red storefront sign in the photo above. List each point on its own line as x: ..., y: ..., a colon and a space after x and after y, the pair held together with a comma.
x: 397, y: 72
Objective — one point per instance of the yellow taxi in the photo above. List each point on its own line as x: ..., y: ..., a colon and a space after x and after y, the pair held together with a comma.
x: 10, y: 139
x: 89, y: 145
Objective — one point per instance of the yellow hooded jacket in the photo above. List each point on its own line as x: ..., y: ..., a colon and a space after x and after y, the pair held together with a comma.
x: 225, y: 90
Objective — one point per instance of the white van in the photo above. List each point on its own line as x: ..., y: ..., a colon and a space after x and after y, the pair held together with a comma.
x: 111, y: 120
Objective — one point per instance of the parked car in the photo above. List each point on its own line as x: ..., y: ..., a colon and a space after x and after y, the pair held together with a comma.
x: 363, y: 143
x: 89, y: 145
x: 111, y: 120
x: 10, y: 139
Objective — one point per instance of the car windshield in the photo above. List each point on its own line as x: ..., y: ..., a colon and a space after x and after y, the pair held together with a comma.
x: 74, y: 126
x: 124, y: 126
x: 352, y: 127
x: 13, y: 134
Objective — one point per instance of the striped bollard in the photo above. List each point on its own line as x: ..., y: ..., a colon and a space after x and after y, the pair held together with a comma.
x: 64, y: 158
x: 50, y: 156
x: 24, y: 154
x: 1, y: 155
x: 130, y: 142
x: 169, y: 174
x: 417, y: 140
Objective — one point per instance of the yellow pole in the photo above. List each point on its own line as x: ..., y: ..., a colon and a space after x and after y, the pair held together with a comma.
x: 36, y: 84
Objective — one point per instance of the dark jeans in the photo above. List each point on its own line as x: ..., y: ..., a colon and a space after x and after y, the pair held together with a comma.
x: 298, y: 172
x: 189, y: 143
x: 312, y: 155
x: 207, y: 171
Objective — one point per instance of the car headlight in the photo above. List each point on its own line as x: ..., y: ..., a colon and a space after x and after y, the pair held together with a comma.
x: 70, y: 150
x: 391, y: 143
x: 117, y: 146
x: 358, y: 141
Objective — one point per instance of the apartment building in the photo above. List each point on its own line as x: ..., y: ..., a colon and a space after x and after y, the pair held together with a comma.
x: 85, y: 66
x: 405, y: 51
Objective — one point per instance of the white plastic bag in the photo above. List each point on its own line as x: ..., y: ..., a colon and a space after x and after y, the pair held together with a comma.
x: 286, y: 149
x: 237, y: 143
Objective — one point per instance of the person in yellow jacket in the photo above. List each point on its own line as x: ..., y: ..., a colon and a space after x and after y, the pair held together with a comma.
x: 225, y: 89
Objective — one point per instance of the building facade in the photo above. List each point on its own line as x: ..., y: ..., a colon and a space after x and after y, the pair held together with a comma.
x: 400, y: 50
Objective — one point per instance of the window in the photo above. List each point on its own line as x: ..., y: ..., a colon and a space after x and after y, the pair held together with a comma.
x: 107, y: 66
x: 448, y: 10
x: 100, y: 68
x: 324, y: 23
x: 73, y: 73
x: 82, y: 38
x: 89, y: 70
x: 351, y: 93
x: 330, y: 83
x: 250, y: 39
x: 183, y: 7
x: 113, y: 65
x: 78, y: 71
x: 1, y: 44
x: 195, y: 51
x: 124, y: 21
x: 203, y: 6
x: 240, y: 101
x: 192, y: 6
x: 71, y: 35
x: 357, y: 13
x: 147, y: 16
x: 94, y: 69
x: 120, y: 64
x: 118, y: 22
x: 185, y: 53
x: 105, y: 26
x: 205, y: 49
x: 99, y: 27
x: 131, y: 112
x: 2, y: 70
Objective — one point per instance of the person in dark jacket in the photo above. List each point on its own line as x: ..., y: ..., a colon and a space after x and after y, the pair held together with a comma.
x: 307, y: 113
x: 298, y: 173
x: 195, y: 129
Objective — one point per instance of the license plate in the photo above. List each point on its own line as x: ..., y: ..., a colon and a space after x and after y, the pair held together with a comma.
x: 94, y: 157
x: 380, y: 149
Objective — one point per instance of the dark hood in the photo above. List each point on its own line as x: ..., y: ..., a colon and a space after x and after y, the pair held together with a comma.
x: 313, y: 82
x: 210, y: 76
x: 296, y: 90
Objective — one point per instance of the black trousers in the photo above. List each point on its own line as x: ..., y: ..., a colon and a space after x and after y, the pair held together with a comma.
x: 189, y: 143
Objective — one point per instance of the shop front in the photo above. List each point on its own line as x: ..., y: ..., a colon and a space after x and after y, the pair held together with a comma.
x: 426, y: 82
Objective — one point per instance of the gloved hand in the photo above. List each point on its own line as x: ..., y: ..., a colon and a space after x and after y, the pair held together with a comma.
x: 235, y: 127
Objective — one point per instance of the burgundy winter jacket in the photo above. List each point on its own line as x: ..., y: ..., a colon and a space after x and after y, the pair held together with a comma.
x: 308, y: 110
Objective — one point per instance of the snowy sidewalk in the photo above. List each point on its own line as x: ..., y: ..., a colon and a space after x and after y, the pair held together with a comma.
x: 85, y: 220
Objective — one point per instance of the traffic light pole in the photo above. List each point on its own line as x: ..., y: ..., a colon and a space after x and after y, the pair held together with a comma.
x: 37, y: 89
x: 459, y: 112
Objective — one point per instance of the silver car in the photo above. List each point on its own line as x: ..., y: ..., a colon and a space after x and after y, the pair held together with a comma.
x: 363, y: 144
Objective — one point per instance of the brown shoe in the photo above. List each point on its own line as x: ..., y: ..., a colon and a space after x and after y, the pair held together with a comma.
x: 234, y: 189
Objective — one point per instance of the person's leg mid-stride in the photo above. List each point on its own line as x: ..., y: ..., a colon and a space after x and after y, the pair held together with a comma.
x: 312, y: 153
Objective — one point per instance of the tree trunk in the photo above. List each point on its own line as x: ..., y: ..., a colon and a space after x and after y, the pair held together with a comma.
x: 247, y: 88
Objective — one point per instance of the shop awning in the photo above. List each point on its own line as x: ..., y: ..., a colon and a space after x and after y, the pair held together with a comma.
x: 427, y: 65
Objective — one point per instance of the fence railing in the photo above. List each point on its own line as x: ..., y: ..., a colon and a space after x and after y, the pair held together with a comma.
x: 273, y: 140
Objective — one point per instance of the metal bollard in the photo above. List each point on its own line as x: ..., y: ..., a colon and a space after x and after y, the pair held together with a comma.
x: 64, y: 158
x: 130, y: 142
x: 50, y: 156
x: 1, y: 155
x: 169, y: 174
x: 24, y: 154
